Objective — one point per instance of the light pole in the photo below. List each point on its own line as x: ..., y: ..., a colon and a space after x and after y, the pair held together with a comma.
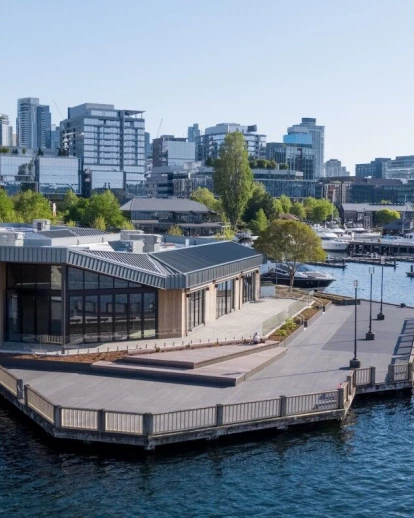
x: 381, y: 315
x: 370, y: 335
x: 355, y: 363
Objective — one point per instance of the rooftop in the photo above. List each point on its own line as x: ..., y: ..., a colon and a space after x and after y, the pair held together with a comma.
x: 165, y: 205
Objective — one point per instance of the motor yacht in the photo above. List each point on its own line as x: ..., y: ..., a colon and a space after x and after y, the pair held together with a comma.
x: 306, y: 276
x: 330, y: 240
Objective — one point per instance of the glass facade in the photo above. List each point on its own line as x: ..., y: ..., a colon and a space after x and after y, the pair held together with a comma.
x: 224, y: 298
x: 248, y: 287
x: 58, y: 175
x: 195, y: 309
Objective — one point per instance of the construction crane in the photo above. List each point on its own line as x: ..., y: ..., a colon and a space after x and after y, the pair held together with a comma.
x: 58, y: 109
x: 159, y: 128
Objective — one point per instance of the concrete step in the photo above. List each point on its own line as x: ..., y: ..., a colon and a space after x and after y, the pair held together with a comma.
x: 225, y: 373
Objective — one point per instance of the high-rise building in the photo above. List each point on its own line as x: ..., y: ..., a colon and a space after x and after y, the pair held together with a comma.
x: 54, y: 138
x: 172, y: 151
x: 44, y: 127
x: 298, y: 135
x: 334, y: 168
x: 5, y: 130
x: 148, y: 145
x: 374, y: 169
x: 318, y: 143
x: 26, y: 122
x: 193, y: 133
x: 295, y: 157
x: 208, y: 145
x: 110, y: 144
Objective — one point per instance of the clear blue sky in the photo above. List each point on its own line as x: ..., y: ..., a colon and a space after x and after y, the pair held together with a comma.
x: 266, y: 62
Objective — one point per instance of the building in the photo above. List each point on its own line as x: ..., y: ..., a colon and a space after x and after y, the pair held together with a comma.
x: 148, y: 146
x: 377, y: 190
x: 334, y: 168
x: 208, y: 145
x: 110, y: 144
x: 5, y: 139
x: 159, y: 215
x: 288, y: 182
x: 55, y: 138
x: 364, y: 213
x: 374, y: 169
x: 26, y: 122
x: 70, y: 287
x: 180, y: 182
x: 44, y: 127
x: 298, y: 135
x: 318, y: 143
x: 297, y: 157
x: 402, y: 167
x: 193, y: 133
x: 171, y: 151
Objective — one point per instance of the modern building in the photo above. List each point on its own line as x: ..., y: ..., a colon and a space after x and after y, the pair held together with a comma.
x: 44, y: 127
x: 26, y: 122
x: 364, y: 213
x: 209, y: 144
x: 171, y: 151
x: 55, y: 138
x: 110, y: 144
x: 193, y: 133
x: 70, y: 287
x: 298, y: 135
x: 148, y: 146
x: 5, y: 130
x: 288, y: 182
x: 374, y: 169
x: 318, y: 143
x: 377, y: 190
x: 180, y: 182
x: 402, y: 167
x: 297, y: 157
x: 334, y: 168
x: 159, y: 215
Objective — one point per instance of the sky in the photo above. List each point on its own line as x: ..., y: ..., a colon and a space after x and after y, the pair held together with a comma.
x: 268, y: 62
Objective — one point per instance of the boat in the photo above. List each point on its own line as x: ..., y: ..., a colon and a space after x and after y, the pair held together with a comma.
x: 306, y: 276
x: 330, y: 240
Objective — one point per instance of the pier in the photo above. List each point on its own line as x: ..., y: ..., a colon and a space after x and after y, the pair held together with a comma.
x: 304, y: 379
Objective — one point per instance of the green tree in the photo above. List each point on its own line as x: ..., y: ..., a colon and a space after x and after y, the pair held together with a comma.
x: 24, y: 150
x: 277, y: 207
x: 271, y: 164
x: 207, y: 198
x: 107, y: 206
x: 298, y: 210
x: 293, y: 242
x: 260, y: 199
x: 77, y: 212
x: 261, y: 163
x: 99, y: 223
x: 30, y: 205
x: 226, y: 235
x: 175, y: 230
x: 6, y: 207
x: 385, y: 216
x: 286, y: 203
x: 232, y: 177
x: 321, y: 210
x: 385, y: 202
x: 4, y: 150
x: 260, y: 223
x: 70, y: 199
x: 283, y: 167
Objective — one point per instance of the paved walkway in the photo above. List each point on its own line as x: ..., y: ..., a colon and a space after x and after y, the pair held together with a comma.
x: 317, y: 360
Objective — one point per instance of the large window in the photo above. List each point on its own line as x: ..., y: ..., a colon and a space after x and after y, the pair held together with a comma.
x: 195, y: 308
x: 104, y: 308
x: 224, y: 298
x: 248, y: 287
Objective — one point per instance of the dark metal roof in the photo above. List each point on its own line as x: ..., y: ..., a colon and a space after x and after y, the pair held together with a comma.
x: 56, y: 233
x: 141, y: 261
x: 164, y: 205
x: 77, y: 231
x: 71, y: 232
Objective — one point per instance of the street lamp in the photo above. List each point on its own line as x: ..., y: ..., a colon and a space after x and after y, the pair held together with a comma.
x: 370, y: 335
x: 355, y: 363
x: 381, y: 315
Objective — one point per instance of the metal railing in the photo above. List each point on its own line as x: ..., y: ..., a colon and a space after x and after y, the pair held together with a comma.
x: 79, y: 418
x: 40, y: 404
x: 251, y: 411
x: 184, y: 420
x: 307, y: 403
x: 123, y: 422
x: 275, y: 321
x: 8, y: 381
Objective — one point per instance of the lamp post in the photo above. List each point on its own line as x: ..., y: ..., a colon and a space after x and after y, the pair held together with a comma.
x: 370, y: 335
x: 355, y: 363
x: 381, y: 315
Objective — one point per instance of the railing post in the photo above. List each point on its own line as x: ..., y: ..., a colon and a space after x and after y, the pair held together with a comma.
x: 283, y: 406
x: 101, y: 421
x: 341, y: 397
x: 57, y: 416
x: 349, y: 379
x: 147, y: 424
x: 410, y: 371
x: 219, y: 415
x: 391, y: 373
x: 372, y: 376
x: 26, y: 395
x: 20, y: 389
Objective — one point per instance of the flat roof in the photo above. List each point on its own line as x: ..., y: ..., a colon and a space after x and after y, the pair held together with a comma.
x: 165, y: 205
x: 367, y: 207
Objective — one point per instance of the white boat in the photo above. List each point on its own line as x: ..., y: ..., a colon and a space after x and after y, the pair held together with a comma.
x: 330, y: 240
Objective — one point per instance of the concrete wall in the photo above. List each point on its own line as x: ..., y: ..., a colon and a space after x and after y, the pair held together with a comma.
x: 171, y: 313
x: 2, y: 299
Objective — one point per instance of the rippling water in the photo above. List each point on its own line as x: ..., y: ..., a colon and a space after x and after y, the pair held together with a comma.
x: 362, y: 469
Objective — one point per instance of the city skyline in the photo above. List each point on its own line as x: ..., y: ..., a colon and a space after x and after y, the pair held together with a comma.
x: 267, y: 74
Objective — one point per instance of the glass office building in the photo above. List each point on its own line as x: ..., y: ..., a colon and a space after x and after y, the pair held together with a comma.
x: 57, y: 174
x: 298, y: 157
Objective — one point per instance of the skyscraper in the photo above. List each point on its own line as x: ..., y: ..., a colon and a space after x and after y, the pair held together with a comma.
x: 318, y: 143
x: 110, y: 144
x: 4, y: 130
x: 44, y: 127
x: 193, y: 133
x: 26, y: 122
x: 172, y: 151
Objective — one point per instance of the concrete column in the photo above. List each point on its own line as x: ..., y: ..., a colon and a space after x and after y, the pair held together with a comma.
x: 147, y: 424
x: 390, y: 373
x: 101, y: 421
x: 219, y: 415
x: 349, y: 379
x: 283, y: 406
x: 2, y: 300
x: 410, y: 371
x: 341, y: 397
x: 26, y: 398
x: 372, y: 375
x: 20, y: 389
x: 57, y: 416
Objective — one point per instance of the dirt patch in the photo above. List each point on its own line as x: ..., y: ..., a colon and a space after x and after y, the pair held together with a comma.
x: 75, y: 358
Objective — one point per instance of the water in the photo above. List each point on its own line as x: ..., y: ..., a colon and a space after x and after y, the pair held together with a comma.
x: 361, y: 468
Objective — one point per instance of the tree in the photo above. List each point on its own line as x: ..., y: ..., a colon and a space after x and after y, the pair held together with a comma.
x: 260, y: 199
x: 293, y: 242
x: 70, y: 199
x: 232, y: 177
x: 298, y: 210
x: 107, y: 206
x: 385, y: 216
x: 24, y: 150
x: 277, y: 207
x: 283, y: 167
x: 77, y: 211
x: 30, y: 205
x: 226, y: 235
x: 175, y: 230
x: 4, y: 150
x: 99, y: 223
x: 207, y: 198
x: 6, y: 207
x: 286, y: 203
x: 321, y: 210
x: 260, y: 223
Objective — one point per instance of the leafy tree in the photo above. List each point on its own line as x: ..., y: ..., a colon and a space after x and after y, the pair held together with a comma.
x: 277, y: 207
x: 298, y: 210
x: 24, y: 150
x: 77, y: 212
x: 30, y: 205
x: 259, y: 224
x: 271, y: 164
x: 385, y: 202
x: 385, y: 216
x: 127, y: 225
x: 252, y: 163
x: 261, y: 163
x: 175, y: 230
x: 99, y: 223
x: 293, y: 242
x: 4, y: 150
x: 6, y: 207
x: 286, y: 203
x: 283, y: 167
x: 232, y: 177
x: 260, y: 199
x: 321, y: 210
x: 107, y: 206
x: 207, y: 198
x: 226, y: 235
x: 70, y: 199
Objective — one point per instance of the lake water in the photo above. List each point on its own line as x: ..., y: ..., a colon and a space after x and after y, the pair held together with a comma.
x: 362, y: 468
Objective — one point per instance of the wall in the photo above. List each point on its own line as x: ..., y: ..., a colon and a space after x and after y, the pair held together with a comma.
x: 2, y: 299
x: 171, y: 313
